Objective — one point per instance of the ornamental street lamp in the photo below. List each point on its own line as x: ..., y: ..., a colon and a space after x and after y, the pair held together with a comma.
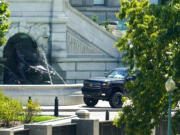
x: 170, y: 86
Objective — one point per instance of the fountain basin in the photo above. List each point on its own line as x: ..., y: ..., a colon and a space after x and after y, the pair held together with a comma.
x: 68, y: 94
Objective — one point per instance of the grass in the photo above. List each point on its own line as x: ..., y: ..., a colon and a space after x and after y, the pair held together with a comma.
x: 39, y: 118
x: 44, y: 118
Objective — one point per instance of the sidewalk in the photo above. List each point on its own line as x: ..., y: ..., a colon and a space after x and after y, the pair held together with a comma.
x: 100, y: 107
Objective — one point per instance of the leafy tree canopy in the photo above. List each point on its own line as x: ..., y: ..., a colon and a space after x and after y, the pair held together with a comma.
x: 151, y: 46
x: 4, y: 15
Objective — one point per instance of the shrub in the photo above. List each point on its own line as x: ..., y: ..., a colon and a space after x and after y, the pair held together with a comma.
x: 95, y: 19
x: 32, y: 109
x: 10, y: 109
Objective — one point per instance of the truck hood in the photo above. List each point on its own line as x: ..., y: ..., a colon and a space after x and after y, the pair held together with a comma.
x: 104, y: 79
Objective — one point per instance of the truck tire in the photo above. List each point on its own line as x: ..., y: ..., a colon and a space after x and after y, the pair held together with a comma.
x: 90, y: 101
x: 115, y: 100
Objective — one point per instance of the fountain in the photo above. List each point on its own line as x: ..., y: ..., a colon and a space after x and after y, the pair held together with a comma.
x: 27, y: 73
x: 27, y: 62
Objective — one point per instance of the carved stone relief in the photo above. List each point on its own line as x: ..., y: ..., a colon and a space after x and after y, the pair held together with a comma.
x: 37, y: 31
x: 77, y: 45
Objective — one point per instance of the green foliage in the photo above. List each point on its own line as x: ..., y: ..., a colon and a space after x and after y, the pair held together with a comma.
x: 95, y: 19
x: 4, y: 15
x: 105, y: 23
x: 32, y: 109
x: 43, y: 118
x: 124, y: 99
x: 151, y: 46
x: 10, y: 109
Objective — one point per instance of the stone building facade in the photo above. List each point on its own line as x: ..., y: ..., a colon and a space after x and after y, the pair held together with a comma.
x: 103, y: 9
x: 76, y: 46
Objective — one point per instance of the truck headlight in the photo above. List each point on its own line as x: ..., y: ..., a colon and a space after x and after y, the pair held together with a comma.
x: 105, y: 85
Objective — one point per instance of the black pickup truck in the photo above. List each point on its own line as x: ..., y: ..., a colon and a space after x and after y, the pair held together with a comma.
x: 109, y: 88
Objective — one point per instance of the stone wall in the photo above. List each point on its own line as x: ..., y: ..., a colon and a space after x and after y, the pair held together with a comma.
x: 69, y: 94
x: 78, y: 69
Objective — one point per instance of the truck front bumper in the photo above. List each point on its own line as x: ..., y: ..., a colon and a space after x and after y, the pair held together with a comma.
x: 100, y: 94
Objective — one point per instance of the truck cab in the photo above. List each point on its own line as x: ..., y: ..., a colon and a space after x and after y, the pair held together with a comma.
x: 109, y: 88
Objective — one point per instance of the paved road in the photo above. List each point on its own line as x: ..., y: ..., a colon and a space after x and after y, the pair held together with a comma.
x: 97, y: 112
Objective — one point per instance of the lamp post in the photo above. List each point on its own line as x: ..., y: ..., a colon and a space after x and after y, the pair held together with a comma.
x: 170, y: 86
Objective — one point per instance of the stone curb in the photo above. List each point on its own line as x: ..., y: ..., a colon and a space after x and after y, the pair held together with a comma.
x: 75, y: 109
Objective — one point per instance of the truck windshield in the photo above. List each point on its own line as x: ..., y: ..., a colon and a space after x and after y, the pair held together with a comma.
x: 120, y: 74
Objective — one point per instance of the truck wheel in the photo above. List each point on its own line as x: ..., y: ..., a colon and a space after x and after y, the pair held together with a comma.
x: 90, y: 101
x: 115, y: 100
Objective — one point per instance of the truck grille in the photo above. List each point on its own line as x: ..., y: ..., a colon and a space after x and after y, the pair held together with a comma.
x: 92, y: 85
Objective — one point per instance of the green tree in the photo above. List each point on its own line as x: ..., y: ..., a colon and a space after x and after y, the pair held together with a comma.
x: 4, y: 15
x: 151, y: 46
